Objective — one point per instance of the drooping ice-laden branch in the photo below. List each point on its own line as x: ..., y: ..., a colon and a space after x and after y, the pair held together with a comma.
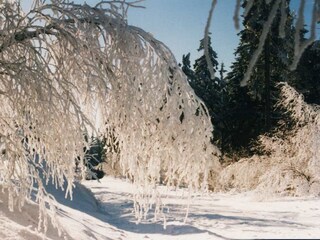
x: 262, y: 39
x: 277, y: 5
x: 65, y: 67
x: 206, y: 40
x: 299, y: 46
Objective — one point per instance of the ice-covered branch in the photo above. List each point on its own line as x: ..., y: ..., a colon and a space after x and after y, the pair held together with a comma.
x: 206, y: 40
x: 69, y: 67
x: 299, y: 44
x: 278, y: 5
x: 262, y: 39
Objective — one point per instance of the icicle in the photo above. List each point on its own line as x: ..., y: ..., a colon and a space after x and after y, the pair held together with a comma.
x: 206, y: 40
x: 283, y: 20
x: 236, y: 15
x: 299, y: 46
x: 248, y: 7
x: 299, y: 27
x: 264, y: 34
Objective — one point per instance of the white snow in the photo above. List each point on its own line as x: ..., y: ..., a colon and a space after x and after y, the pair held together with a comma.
x: 211, y: 216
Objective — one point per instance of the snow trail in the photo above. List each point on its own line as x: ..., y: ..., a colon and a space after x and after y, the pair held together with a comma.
x: 212, y: 216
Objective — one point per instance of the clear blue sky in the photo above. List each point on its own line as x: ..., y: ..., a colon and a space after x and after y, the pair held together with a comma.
x: 180, y: 24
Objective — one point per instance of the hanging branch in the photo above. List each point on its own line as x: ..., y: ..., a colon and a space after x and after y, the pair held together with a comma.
x: 278, y: 5
x: 67, y: 67
x: 206, y: 40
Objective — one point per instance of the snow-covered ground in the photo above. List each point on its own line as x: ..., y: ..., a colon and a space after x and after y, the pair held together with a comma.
x: 215, y: 216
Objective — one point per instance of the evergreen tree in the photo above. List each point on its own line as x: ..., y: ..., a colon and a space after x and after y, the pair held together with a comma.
x: 186, y: 68
x: 306, y: 77
x: 201, y: 66
x: 94, y: 156
x: 200, y: 78
x: 252, y: 108
x: 209, y: 90
x: 222, y: 71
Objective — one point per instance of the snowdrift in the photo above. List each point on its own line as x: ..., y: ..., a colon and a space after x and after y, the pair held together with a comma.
x: 73, y: 218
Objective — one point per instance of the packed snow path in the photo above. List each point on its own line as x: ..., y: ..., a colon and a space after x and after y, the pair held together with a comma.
x: 217, y: 216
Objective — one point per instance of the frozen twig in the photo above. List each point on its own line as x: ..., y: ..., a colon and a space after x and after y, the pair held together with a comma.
x: 206, y: 40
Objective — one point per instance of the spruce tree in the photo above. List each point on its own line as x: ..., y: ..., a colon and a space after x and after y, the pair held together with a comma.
x: 211, y: 91
x: 252, y: 108
x: 200, y: 78
x: 306, y: 77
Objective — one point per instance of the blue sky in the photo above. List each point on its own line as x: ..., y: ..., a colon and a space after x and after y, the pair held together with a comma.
x: 180, y: 24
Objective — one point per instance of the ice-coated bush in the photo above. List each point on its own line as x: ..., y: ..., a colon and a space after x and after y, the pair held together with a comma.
x: 298, y: 155
x: 292, y: 165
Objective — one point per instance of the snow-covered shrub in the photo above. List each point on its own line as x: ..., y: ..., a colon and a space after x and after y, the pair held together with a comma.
x: 111, y: 165
x: 292, y: 165
x: 297, y: 171
x: 95, y: 157
x: 243, y: 175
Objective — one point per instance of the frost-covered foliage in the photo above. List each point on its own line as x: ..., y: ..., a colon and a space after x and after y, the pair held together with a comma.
x: 292, y: 166
x: 68, y: 69
x: 243, y: 175
x: 298, y: 154
x: 161, y: 127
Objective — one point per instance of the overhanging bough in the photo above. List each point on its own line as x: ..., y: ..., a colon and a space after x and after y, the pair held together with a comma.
x: 66, y: 68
